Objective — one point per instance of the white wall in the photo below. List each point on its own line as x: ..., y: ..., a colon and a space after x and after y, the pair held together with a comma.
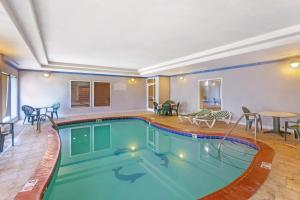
x: 37, y: 91
x: 274, y: 87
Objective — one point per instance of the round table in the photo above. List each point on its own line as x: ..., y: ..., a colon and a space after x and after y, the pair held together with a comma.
x: 276, y: 119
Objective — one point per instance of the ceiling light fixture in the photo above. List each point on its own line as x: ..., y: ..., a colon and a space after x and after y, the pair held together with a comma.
x: 295, y: 64
x: 181, y: 77
x: 46, y: 74
x: 132, y: 80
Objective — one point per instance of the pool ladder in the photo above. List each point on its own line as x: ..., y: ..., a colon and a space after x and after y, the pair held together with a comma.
x: 43, y: 117
x: 235, y: 125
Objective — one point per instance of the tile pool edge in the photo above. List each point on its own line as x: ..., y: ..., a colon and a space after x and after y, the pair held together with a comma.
x: 241, y: 188
x: 44, y: 172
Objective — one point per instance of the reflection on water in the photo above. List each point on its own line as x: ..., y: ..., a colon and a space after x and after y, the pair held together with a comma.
x: 80, y: 140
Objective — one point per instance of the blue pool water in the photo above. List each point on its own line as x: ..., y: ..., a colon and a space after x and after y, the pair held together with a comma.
x: 130, y: 159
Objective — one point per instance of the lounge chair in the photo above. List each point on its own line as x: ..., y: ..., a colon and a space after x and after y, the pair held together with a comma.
x: 209, y: 119
x: 190, y: 116
x: 223, y: 115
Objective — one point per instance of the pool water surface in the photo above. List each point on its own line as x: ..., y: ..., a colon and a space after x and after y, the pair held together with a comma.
x: 131, y: 159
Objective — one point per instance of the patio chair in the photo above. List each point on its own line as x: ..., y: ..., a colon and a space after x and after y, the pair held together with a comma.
x: 6, y: 129
x: 223, y: 115
x: 190, y: 116
x: 293, y: 125
x: 209, y: 120
x: 176, y: 108
x: 251, y: 119
x: 166, y: 109
x: 156, y: 108
x: 53, y: 110
x: 30, y: 114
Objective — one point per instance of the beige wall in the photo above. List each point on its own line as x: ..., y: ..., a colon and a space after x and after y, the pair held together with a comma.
x: 164, y: 89
x: 274, y: 87
x: 37, y: 90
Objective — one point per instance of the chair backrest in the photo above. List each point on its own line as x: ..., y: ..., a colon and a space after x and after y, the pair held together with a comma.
x: 56, y: 106
x: 245, y: 111
x: 28, y: 110
x: 155, y: 104
x: 166, y: 106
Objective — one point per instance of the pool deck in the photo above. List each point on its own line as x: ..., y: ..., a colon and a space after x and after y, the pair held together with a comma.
x: 18, y: 163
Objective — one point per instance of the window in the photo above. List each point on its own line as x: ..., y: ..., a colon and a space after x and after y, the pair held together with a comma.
x: 210, y: 94
x: 5, y: 98
x: 80, y: 94
x: 9, y: 97
x: 101, y: 94
x: 14, y: 97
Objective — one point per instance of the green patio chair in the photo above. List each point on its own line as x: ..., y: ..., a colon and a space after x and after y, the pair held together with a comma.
x: 166, y: 109
x: 156, y: 108
x: 176, y: 108
x: 53, y: 110
x: 293, y: 125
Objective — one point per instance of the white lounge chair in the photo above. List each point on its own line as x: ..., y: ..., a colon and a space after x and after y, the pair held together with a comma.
x: 211, y: 118
x: 190, y: 116
x: 223, y: 115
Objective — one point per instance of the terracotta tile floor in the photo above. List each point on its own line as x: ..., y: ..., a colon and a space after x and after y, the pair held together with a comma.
x: 18, y: 163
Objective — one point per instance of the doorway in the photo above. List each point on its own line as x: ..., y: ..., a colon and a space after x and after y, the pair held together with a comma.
x: 151, y: 97
x: 210, y: 94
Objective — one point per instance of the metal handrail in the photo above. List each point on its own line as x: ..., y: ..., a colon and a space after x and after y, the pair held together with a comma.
x: 235, y: 125
x: 41, y: 117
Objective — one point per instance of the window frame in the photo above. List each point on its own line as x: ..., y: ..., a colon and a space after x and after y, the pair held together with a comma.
x: 93, y: 94
x: 70, y: 94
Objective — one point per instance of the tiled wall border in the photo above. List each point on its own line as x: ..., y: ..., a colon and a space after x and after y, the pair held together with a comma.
x: 241, y: 188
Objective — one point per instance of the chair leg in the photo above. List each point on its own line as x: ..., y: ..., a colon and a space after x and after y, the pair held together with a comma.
x: 246, y: 128
x: 32, y: 120
x: 250, y: 124
x: 260, y: 121
x: 56, y: 115
x: 24, y: 119
x: 51, y: 115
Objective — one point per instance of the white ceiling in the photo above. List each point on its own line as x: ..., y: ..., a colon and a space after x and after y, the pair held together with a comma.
x: 145, y: 37
x: 12, y: 43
